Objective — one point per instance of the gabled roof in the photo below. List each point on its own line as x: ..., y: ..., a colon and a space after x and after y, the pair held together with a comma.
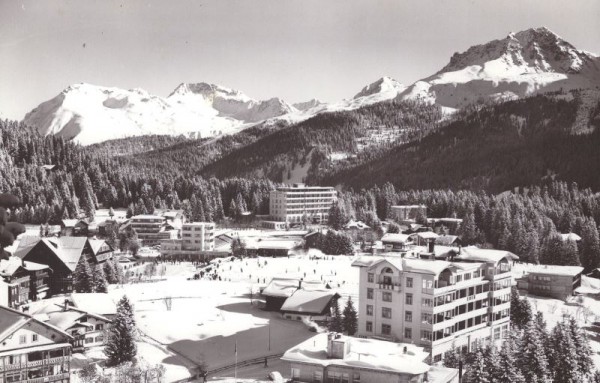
x: 12, y: 320
x: 67, y: 249
x: 281, y: 287
x: 65, y: 319
x: 395, y: 238
x: 313, y: 302
x: 98, y: 303
x: 10, y: 266
x: 96, y: 245
x: 555, y: 270
x: 427, y: 235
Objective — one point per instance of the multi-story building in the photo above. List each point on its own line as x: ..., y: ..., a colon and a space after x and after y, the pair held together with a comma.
x: 152, y: 229
x: 291, y: 204
x: 456, y: 300
x: 31, y: 350
x: 550, y: 280
x: 198, y: 236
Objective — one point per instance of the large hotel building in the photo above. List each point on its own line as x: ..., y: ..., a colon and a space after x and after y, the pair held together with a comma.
x: 439, y: 299
x: 290, y: 204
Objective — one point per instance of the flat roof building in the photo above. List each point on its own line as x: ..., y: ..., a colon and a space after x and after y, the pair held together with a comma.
x: 331, y: 357
x: 291, y: 204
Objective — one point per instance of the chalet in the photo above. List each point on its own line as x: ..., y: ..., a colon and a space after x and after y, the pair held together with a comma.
x: 62, y: 255
x: 27, y: 281
x: 309, y: 304
x: 359, y: 231
x: 74, y: 227
x: 87, y: 329
x: 396, y: 241
x: 448, y: 240
x: 278, y: 291
x: 32, y: 350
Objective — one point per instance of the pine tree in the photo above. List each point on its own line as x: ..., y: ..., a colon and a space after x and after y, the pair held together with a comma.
x: 508, y: 368
x: 477, y: 370
x: 582, y: 347
x: 335, y: 322
x: 350, y: 321
x: 110, y: 272
x: 452, y: 358
x: 590, y: 246
x: 532, y: 358
x: 82, y: 277
x: 121, y: 346
x: 563, y: 362
x: 520, y: 309
x: 99, y: 280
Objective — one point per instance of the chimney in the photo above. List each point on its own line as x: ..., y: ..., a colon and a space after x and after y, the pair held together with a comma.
x: 431, y: 246
x: 65, y: 305
x: 404, y: 350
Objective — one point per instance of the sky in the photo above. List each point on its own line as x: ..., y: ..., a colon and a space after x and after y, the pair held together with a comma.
x: 296, y: 50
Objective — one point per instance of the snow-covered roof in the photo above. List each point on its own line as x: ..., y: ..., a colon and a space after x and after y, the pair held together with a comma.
x: 98, y: 303
x: 11, y: 320
x: 356, y: 225
x: 555, y: 270
x: 395, y: 238
x: 64, y: 319
x: 473, y: 253
x: 570, y: 237
x: 67, y: 249
x: 309, y: 301
x: 414, y: 265
x: 363, y: 353
x: 69, y: 222
x: 426, y: 235
x: 281, y: 287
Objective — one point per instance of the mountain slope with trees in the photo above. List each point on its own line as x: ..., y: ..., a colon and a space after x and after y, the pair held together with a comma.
x: 494, y: 148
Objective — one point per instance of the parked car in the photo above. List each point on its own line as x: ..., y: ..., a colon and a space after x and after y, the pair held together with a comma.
x: 275, y: 376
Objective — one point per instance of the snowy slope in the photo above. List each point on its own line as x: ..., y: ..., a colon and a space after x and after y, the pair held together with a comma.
x: 523, y: 63
x: 91, y: 114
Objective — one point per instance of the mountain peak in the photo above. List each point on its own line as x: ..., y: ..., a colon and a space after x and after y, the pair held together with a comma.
x: 383, y: 85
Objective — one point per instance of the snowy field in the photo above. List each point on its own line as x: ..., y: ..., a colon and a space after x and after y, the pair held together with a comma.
x: 208, y: 317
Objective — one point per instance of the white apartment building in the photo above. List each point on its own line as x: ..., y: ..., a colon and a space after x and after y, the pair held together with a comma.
x: 290, y: 204
x: 456, y: 300
x: 198, y: 236
x: 152, y: 229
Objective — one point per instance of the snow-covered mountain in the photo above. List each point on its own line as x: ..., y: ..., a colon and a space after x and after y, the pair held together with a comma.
x: 384, y: 88
x: 91, y: 114
x: 523, y: 63
x: 302, y: 106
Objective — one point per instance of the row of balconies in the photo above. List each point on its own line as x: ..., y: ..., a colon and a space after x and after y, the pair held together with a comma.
x: 45, y: 379
x: 34, y: 363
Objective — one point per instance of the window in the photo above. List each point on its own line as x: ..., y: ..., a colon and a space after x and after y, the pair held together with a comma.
x: 99, y: 326
x: 369, y: 326
x: 409, y: 299
x: 89, y: 340
x: 295, y: 373
x: 99, y: 338
x: 409, y: 282
x: 408, y: 316
x: 427, y: 284
x: 427, y: 318
x: 387, y: 296
x: 426, y: 302
x: 386, y: 329
x: 408, y: 333
x: 370, y: 310
x: 386, y: 312
x: 437, y: 358
x: 370, y: 277
x: 356, y: 377
x: 22, y: 339
x: 369, y: 293
x: 425, y: 335
x: 318, y: 377
x: 497, y: 333
x: 34, y: 338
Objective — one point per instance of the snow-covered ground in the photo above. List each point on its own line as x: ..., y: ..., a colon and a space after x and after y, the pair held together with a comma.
x: 208, y: 317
